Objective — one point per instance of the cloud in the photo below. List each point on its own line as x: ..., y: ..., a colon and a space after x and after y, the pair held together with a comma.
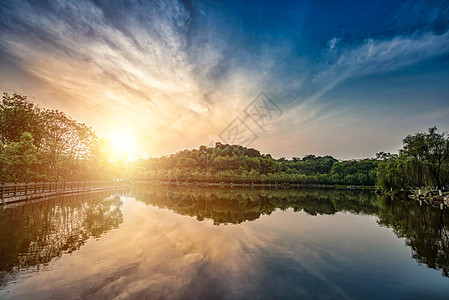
x: 332, y: 43
x: 175, y: 73
x: 312, y: 123
x: 377, y: 56
x: 370, y: 57
x: 137, y: 64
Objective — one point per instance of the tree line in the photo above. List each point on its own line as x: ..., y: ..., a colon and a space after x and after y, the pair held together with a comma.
x: 39, y: 144
x: 422, y: 162
x: 239, y: 164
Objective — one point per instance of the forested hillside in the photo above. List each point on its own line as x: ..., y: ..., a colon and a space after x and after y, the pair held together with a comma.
x: 422, y: 162
x: 238, y: 164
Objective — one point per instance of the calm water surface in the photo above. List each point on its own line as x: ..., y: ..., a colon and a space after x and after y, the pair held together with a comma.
x: 182, y: 243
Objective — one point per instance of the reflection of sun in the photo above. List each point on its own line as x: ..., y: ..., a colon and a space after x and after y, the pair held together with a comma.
x: 122, y: 142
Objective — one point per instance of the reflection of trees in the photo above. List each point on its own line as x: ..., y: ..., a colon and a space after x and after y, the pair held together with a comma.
x: 424, y: 228
x: 35, y: 233
x: 239, y: 205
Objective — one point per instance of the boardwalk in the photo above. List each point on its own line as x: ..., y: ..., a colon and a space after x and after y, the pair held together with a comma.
x: 13, y: 192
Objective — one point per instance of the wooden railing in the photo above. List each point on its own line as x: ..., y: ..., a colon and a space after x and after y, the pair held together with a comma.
x: 11, y: 192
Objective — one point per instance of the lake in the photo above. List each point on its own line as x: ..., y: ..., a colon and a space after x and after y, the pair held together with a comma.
x: 159, y: 242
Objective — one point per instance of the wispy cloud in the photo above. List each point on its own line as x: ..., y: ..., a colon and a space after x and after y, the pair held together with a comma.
x: 167, y: 73
x: 375, y: 56
x: 135, y: 63
x: 342, y: 62
x: 332, y: 43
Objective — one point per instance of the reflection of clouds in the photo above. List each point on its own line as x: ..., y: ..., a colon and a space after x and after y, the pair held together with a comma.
x: 188, y: 258
x: 157, y: 253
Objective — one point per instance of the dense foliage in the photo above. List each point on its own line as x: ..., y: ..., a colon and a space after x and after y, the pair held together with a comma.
x: 422, y: 162
x: 238, y: 164
x: 38, y: 144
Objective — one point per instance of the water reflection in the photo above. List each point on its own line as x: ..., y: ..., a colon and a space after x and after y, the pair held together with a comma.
x: 424, y: 228
x: 304, y: 249
x: 234, y: 206
x: 33, y: 234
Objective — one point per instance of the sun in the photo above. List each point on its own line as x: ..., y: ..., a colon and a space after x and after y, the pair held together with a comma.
x: 122, y: 142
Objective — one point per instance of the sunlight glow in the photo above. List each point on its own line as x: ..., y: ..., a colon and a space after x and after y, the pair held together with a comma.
x: 122, y: 142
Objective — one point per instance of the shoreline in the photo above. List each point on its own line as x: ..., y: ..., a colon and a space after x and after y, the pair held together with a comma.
x: 275, y: 185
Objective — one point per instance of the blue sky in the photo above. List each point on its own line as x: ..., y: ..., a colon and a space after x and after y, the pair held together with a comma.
x: 352, y: 78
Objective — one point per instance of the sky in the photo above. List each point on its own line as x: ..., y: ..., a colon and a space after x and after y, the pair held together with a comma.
x: 290, y: 78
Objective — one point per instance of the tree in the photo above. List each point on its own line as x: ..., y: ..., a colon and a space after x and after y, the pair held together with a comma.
x: 65, y: 148
x: 391, y: 173
x: 19, y: 160
x: 431, y: 150
x: 383, y: 155
x: 19, y: 115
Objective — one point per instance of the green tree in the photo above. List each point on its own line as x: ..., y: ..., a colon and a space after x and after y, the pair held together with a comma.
x: 18, y: 115
x: 66, y: 149
x: 20, y: 160
x: 431, y: 153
